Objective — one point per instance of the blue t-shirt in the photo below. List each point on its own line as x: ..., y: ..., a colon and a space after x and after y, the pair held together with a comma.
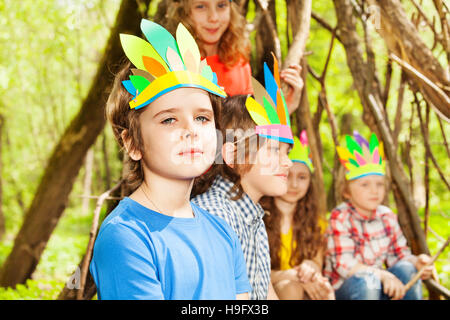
x: 143, y: 254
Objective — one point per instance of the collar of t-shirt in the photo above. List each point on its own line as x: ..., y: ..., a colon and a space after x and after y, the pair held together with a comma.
x: 361, y: 216
x: 252, y: 212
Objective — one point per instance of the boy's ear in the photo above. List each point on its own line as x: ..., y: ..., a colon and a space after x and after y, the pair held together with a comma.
x: 132, y: 152
x: 228, y: 151
x: 346, y: 190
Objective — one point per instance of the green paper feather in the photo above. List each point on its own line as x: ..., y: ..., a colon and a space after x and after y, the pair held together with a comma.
x: 140, y: 83
x: 373, y: 142
x: 288, y: 119
x: 207, y: 72
x: 352, y: 145
x: 353, y: 162
x: 271, y: 112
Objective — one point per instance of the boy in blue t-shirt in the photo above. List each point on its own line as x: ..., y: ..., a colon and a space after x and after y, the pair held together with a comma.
x: 156, y: 244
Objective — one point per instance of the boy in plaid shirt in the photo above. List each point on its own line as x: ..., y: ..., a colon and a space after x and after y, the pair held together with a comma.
x: 363, y: 235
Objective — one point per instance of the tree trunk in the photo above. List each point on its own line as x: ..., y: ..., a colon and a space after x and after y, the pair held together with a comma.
x: 266, y: 42
x: 402, y: 38
x: 304, y: 121
x: 299, y: 13
x: 53, y: 191
x: 89, y: 164
x: 2, y: 216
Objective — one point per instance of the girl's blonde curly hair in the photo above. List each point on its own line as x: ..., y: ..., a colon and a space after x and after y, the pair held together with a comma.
x: 233, y: 44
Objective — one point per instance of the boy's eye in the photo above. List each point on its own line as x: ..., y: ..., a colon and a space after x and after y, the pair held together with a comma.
x: 202, y: 118
x: 168, y: 121
x: 275, y: 149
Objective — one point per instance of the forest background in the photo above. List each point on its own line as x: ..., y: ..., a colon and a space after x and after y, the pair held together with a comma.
x: 57, y: 59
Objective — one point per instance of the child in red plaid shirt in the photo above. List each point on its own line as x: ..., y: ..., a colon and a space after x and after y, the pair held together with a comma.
x: 364, y: 235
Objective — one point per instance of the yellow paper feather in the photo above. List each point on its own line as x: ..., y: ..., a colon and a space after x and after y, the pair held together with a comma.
x: 188, y: 48
x: 255, y: 108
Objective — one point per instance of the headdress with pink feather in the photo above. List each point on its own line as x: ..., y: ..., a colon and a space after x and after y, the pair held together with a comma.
x: 301, y: 152
x: 361, y: 157
x: 268, y: 109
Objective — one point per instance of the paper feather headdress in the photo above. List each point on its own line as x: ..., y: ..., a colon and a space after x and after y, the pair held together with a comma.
x: 301, y: 152
x: 361, y: 157
x: 268, y: 109
x: 164, y: 64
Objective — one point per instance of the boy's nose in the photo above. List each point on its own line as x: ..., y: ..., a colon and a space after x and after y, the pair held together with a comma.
x: 286, y: 162
x: 189, y: 130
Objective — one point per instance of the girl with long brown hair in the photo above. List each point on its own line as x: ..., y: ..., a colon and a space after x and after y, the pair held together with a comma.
x: 295, y: 232
x: 219, y: 29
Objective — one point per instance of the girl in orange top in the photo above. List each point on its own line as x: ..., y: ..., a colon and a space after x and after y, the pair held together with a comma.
x: 219, y: 29
x: 296, y: 236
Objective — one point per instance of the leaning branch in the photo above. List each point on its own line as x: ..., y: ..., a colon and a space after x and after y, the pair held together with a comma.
x: 92, y: 234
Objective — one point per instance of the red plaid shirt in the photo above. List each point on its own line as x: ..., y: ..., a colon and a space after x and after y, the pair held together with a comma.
x: 355, y: 238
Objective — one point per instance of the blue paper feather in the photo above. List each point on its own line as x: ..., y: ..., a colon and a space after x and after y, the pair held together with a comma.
x: 270, y: 83
x: 130, y: 87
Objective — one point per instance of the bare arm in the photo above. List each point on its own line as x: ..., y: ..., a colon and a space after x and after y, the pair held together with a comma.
x: 279, y: 275
x: 271, y: 295
x: 242, y: 296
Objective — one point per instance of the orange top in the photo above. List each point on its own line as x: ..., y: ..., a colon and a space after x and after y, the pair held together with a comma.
x: 235, y: 80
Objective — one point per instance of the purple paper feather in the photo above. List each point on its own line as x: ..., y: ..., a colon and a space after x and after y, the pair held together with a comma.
x: 360, y: 139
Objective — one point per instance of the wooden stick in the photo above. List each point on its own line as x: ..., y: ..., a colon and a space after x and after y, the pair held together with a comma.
x: 418, y: 274
x: 92, y: 234
x: 406, y: 66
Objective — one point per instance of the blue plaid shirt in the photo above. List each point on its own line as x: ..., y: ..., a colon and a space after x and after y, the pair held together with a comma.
x: 246, y: 219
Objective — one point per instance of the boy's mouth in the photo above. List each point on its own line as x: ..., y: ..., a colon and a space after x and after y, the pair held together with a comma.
x: 281, y: 175
x: 191, y: 152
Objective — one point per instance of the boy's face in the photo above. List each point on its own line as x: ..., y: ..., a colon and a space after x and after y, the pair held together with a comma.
x: 179, y: 134
x: 210, y: 18
x: 367, y: 193
x: 268, y: 176
x: 298, y: 183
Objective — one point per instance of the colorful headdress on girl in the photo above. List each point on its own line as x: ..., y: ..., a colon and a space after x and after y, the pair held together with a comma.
x: 165, y: 64
x: 301, y: 152
x: 362, y: 158
x: 268, y: 108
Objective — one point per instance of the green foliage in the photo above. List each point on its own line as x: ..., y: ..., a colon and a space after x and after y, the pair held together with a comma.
x: 33, y: 290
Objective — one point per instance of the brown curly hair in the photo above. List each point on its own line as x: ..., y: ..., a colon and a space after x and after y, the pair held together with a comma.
x: 233, y: 44
x: 121, y: 118
x: 306, y: 232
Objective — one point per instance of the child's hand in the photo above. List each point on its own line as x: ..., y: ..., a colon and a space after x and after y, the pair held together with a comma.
x: 422, y: 260
x: 307, y: 270
x: 292, y: 77
x: 319, y: 289
x: 392, y: 286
